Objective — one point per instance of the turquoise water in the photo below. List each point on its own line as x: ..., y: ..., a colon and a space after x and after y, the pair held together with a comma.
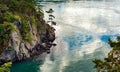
x: 27, y: 66
x: 83, y: 29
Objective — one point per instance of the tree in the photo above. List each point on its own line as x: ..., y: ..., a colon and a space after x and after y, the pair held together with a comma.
x: 112, y: 62
x: 51, y: 17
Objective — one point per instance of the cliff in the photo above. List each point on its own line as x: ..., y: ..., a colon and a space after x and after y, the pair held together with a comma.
x: 23, y: 32
x: 20, y: 50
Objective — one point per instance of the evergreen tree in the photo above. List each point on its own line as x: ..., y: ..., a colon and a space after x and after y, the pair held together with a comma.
x: 51, y: 17
x: 112, y: 62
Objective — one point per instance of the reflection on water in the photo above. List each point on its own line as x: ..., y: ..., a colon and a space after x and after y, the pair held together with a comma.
x: 83, y: 29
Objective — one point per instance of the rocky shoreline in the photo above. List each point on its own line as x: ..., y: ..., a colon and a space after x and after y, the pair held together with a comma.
x: 24, y: 50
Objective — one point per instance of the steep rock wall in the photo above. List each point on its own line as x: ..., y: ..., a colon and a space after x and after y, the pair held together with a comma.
x: 18, y: 49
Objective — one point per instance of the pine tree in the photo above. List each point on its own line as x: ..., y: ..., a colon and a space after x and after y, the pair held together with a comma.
x: 112, y: 62
x: 51, y: 17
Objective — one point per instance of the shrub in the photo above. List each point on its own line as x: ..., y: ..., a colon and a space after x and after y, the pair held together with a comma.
x: 40, y: 27
x: 5, y: 67
x: 5, y: 30
x: 28, y: 37
x: 33, y: 20
x: 25, y: 30
x: 3, y: 8
x: 9, y: 17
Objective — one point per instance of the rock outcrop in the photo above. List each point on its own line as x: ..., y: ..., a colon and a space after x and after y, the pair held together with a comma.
x: 23, y: 30
x: 18, y: 49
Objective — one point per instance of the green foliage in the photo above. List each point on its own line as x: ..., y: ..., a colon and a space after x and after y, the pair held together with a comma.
x: 28, y: 37
x: 39, y: 14
x: 115, y: 44
x: 29, y: 7
x: 3, y: 8
x: 24, y: 10
x: 51, y: 17
x: 9, y: 17
x: 40, y: 25
x: 112, y: 62
x: 20, y: 6
x: 5, y: 15
x: 53, y: 23
x: 50, y: 10
x: 5, y: 67
x: 12, y: 4
x: 25, y: 30
x: 98, y: 62
x: 5, y: 30
x: 40, y: 28
x: 33, y: 21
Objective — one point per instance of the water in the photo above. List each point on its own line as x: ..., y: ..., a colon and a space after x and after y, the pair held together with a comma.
x: 83, y: 29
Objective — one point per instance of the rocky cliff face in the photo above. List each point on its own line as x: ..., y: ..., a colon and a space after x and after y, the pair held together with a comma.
x: 18, y: 49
